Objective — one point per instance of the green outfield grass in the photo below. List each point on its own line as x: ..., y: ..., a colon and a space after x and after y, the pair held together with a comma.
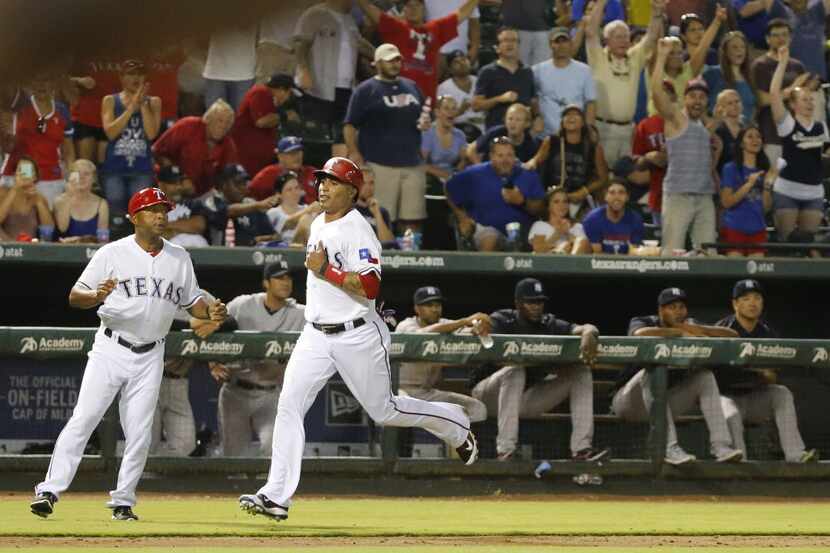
x: 219, y: 516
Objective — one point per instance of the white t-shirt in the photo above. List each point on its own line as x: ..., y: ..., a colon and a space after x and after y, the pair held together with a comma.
x: 232, y: 54
x: 150, y: 288
x: 277, y: 216
x: 545, y: 229
x: 449, y: 88
x: 347, y: 52
x: 278, y: 28
x: 352, y: 247
x: 436, y: 9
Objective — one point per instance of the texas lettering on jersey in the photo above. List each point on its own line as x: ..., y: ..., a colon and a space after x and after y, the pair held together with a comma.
x: 155, y: 288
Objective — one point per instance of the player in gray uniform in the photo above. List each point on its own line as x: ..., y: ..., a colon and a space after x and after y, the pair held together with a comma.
x: 174, y: 429
x: 248, y: 398
x: 419, y: 380
x: 686, y: 389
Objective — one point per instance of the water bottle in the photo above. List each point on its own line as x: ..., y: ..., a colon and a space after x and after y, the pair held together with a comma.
x: 543, y: 468
x: 425, y: 119
x: 230, y: 234
x: 485, y: 339
x: 513, y: 230
x: 407, y: 241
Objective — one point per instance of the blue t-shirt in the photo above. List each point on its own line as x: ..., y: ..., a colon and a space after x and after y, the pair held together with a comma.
x: 386, y: 117
x: 755, y: 27
x: 807, y: 44
x: 614, y: 237
x: 613, y: 10
x: 713, y: 76
x: 436, y: 155
x: 746, y: 216
x: 557, y: 87
x: 477, y: 190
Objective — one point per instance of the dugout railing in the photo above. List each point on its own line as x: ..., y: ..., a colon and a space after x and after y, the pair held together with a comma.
x: 658, y: 354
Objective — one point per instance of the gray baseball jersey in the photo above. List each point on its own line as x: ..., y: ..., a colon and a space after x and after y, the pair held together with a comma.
x: 250, y: 313
x: 418, y: 375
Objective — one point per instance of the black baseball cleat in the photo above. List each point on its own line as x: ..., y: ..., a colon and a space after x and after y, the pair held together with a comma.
x: 590, y: 454
x: 468, y: 451
x: 43, y: 504
x: 258, y: 504
x: 123, y: 512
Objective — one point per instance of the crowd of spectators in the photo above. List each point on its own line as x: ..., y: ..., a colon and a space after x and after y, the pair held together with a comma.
x: 690, y: 122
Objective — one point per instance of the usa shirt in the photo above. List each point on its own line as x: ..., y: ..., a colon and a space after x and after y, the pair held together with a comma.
x: 150, y: 289
x: 386, y: 115
x: 352, y: 247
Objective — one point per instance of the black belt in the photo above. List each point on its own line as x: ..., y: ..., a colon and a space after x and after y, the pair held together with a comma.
x: 338, y: 328
x: 610, y: 122
x: 174, y: 376
x: 143, y: 348
x: 245, y: 385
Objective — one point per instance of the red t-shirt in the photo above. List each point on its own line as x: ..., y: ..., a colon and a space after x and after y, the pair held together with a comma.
x: 419, y: 47
x: 185, y: 143
x: 262, y: 185
x: 256, y: 145
x: 163, y: 76
x: 87, y: 110
x: 43, y: 147
x: 649, y: 138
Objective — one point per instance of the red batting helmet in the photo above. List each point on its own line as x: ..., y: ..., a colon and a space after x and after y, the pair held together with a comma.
x: 342, y: 170
x: 147, y: 197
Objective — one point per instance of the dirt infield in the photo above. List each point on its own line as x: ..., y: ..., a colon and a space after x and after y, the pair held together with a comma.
x: 536, y: 541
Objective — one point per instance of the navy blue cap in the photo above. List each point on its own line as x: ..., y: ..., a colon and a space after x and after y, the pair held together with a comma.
x: 671, y: 295
x: 289, y: 144
x: 746, y: 286
x: 171, y: 173
x: 530, y: 289
x: 276, y: 268
x: 233, y: 172
x: 427, y: 294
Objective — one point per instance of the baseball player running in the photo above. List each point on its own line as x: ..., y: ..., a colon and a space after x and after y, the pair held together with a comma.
x: 344, y: 333
x: 139, y: 282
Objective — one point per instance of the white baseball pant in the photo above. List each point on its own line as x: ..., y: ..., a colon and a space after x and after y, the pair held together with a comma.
x: 111, y: 369
x: 504, y: 393
x: 475, y: 409
x: 361, y: 357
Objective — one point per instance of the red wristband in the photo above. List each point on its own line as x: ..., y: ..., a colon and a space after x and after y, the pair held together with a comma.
x: 334, y: 275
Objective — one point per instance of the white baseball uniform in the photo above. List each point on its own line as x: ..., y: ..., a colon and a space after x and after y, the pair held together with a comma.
x: 358, y: 350
x: 126, y: 357
x: 174, y: 428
